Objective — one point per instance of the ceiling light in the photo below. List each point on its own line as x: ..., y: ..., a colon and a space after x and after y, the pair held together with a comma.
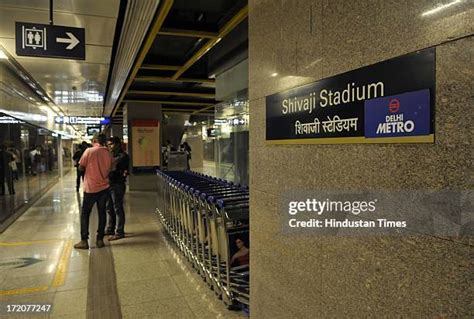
x: 3, y: 56
x: 440, y: 7
x: 274, y: 74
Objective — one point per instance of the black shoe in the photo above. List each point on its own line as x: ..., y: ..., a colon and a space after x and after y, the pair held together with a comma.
x: 109, y: 232
x: 116, y: 237
x: 82, y: 245
x: 99, y: 243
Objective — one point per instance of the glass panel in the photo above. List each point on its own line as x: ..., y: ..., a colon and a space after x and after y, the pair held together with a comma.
x: 232, y: 141
x: 28, y: 163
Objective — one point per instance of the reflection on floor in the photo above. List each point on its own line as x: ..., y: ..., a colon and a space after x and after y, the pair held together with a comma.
x: 141, y: 276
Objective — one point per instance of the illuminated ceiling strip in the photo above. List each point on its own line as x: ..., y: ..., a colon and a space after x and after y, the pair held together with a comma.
x: 188, y: 33
x: 440, y: 8
x: 231, y: 24
x: 169, y: 79
x: 189, y: 94
x: 170, y: 102
x: 160, y: 67
x: 165, y: 8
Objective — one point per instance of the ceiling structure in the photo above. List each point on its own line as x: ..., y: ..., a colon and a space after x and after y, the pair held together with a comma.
x: 76, y: 87
x: 172, y: 67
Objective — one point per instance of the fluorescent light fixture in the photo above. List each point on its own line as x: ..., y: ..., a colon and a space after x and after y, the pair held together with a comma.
x: 274, y: 74
x: 440, y: 8
x: 3, y: 56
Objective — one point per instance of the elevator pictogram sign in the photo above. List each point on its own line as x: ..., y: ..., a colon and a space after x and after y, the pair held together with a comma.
x: 50, y: 41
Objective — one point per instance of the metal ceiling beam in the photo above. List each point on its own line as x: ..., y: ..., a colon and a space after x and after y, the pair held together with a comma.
x: 164, y: 9
x: 170, y: 102
x: 176, y: 112
x: 169, y: 79
x: 161, y: 67
x: 203, y: 109
x: 188, y: 33
x: 188, y: 94
x: 178, y: 109
x: 229, y: 26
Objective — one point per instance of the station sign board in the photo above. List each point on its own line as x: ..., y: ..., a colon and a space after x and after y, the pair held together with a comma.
x: 82, y: 120
x: 388, y: 102
x: 50, y: 41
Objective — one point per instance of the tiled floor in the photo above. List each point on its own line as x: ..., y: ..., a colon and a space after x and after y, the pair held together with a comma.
x: 141, y: 276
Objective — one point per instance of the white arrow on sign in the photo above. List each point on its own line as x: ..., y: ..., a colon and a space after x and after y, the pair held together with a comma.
x: 72, y: 40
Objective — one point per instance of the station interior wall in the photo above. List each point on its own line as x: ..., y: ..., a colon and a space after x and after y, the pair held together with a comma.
x: 304, y: 41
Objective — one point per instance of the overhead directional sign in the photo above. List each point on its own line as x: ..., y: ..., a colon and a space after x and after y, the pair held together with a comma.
x: 50, y: 41
x: 87, y: 120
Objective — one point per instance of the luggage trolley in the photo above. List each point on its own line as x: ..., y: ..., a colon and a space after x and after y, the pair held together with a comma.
x: 208, y: 219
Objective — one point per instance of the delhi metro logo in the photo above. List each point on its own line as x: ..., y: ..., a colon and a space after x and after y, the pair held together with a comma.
x: 394, y: 105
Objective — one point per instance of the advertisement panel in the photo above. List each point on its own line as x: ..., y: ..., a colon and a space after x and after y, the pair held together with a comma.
x: 145, y: 143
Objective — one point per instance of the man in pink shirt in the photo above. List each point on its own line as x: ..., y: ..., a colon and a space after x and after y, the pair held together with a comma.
x: 97, y: 163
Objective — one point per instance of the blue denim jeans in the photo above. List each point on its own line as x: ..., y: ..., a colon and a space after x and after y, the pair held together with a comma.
x: 115, y: 209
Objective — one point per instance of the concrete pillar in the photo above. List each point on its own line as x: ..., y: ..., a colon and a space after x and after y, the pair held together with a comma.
x: 142, y: 181
x: 173, y: 129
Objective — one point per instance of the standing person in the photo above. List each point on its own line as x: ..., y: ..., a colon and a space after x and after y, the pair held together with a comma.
x: 76, y: 157
x: 15, y: 167
x: 117, y: 179
x: 35, y: 157
x: 5, y: 171
x: 51, y: 157
x: 97, y: 163
x: 187, y: 150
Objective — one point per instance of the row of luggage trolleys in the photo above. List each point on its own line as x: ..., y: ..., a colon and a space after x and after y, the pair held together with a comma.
x: 208, y: 219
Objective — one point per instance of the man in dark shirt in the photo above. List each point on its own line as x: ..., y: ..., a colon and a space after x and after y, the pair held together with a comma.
x: 76, y: 157
x: 117, y: 179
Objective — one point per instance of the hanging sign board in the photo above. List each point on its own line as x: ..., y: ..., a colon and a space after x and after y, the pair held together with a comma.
x: 388, y: 102
x: 50, y: 41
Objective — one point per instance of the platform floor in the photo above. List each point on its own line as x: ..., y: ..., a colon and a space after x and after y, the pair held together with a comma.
x: 141, y: 276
